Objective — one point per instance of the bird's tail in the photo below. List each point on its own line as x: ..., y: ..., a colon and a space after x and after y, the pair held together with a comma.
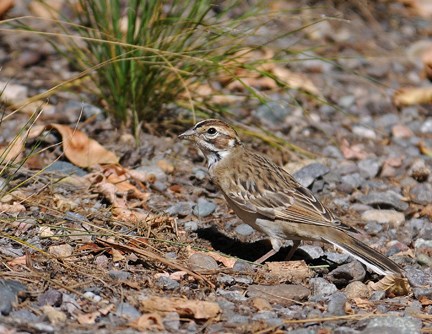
x: 368, y: 256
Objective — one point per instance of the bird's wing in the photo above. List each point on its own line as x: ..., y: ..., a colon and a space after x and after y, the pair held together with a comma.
x: 282, y: 198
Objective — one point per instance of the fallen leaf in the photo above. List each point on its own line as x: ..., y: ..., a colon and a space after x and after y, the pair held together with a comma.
x: 227, y: 261
x: 196, y: 309
x: 425, y: 301
x: 166, y: 166
x: 117, y: 255
x: 295, y: 80
x: 12, y: 208
x: 148, y: 323
x: 5, y: 5
x: 87, y: 318
x: 292, y: 271
x: 78, y: 147
x: 363, y: 303
x: 412, y: 96
x: 18, y: 261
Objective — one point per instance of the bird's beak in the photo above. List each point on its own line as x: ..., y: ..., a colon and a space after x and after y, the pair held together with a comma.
x: 188, y: 135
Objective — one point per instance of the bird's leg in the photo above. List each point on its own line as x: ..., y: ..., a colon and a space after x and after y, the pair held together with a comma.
x: 293, y: 249
x: 270, y: 253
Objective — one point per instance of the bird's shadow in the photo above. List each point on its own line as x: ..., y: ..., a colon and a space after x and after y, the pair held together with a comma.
x: 249, y: 251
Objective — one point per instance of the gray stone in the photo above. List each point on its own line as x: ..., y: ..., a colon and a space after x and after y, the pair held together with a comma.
x: 356, y: 289
x: 171, y: 322
x: 64, y: 168
x: 336, y: 303
x: 322, y: 287
x: 13, y: 93
x: 232, y: 295
x: 378, y: 295
x: 332, y: 152
x: 419, y: 170
x: 308, y: 174
x: 24, y: 315
x: 387, y: 121
x: 314, y: 252
x: 283, y: 294
x: 191, y: 226
x: 384, y: 199
x: 421, y: 193
x: 347, y: 273
x: 273, y: 113
x: 50, y: 297
x: 202, y: 262
x: 10, y: 291
x: 119, y: 275
x: 128, y: 311
x: 369, y: 168
x: 167, y: 283
x: 354, y: 181
x: 338, y: 258
x: 364, y: 132
x: 345, y: 330
x: 200, y: 174
x: 204, y: 208
x: 417, y: 277
x: 393, y: 325
x: 244, y: 230
x: 243, y: 266
x: 426, y: 127
x: 181, y: 209
x: 422, y: 292
x: 384, y: 217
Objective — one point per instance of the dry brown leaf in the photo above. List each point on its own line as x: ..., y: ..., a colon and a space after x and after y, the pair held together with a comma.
x: 13, y: 208
x: 13, y: 151
x: 293, y: 271
x: 412, y: 95
x: 5, y: 6
x: 18, y: 261
x: 117, y: 255
x: 196, y: 309
x: 426, y: 211
x: 148, y: 323
x: 87, y: 318
x: 393, y: 284
x: 78, y: 147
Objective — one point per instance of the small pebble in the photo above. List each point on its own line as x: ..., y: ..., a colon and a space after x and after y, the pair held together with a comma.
x: 356, y: 289
x: 167, y: 283
x: 393, y: 324
x: 181, y: 209
x: 119, y: 275
x: 128, y: 311
x: 204, y: 208
x: 171, y: 322
x: 191, y: 226
x: 391, y: 217
x: 283, y: 294
x: 322, y: 287
x: 336, y: 303
x: 314, y: 252
x: 347, y: 273
x: 369, y: 168
x: 384, y: 199
x: 50, y: 297
x: 421, y: 193
x: 308, y: 174
x: 202, y: 262
x: 244, y: 230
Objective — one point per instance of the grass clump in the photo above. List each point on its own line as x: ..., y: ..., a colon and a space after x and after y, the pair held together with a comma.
x: 148, y: 54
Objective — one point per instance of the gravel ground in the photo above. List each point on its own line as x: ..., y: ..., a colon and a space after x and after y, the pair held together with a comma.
x: 69, y: 264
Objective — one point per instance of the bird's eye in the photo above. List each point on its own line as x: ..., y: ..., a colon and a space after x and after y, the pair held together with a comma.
x: 211, y: 131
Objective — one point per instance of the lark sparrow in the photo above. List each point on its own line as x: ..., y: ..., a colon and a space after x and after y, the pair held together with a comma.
x: 270, y: 200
